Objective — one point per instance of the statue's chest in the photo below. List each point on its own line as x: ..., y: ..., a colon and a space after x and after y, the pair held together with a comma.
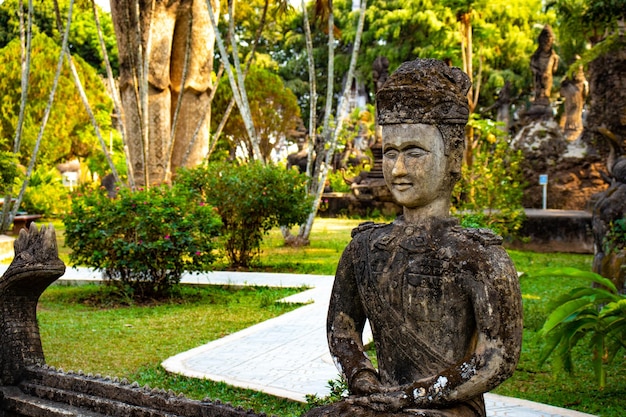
x: 414, y: 277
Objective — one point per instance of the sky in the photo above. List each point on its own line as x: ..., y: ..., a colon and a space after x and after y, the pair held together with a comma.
x: 104, y: 5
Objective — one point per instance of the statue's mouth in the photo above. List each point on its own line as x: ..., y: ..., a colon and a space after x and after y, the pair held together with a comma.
x: 402, y: 186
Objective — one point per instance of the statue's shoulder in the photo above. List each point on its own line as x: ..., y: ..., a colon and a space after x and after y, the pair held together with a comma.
x: 364, y: 227
x: 485, y: 237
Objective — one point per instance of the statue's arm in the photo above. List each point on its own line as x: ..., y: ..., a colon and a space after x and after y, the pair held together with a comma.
x: 345, y: 323
x: 555, y: 63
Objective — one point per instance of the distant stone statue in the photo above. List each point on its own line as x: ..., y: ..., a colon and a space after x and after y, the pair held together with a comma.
x: 380, y: 72
x: 543, y: 64
x: 574, y: 90
x: 443, y: 301
x: 176, y: 82
x: 503, y: 104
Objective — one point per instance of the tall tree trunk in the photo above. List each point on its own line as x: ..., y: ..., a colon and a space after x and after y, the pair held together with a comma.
x: 465, y: 27
x: 117, y: 102
x: 300, y: 239
x: 312, y: 89
x: 249, y: 60
x: 25, y: 43
x: 83, y: 97
x: 236, y: 84
x: 320, y: 174
x: 179, y: 103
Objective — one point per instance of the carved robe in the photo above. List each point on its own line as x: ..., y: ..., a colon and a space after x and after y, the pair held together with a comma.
x: 444, y: 306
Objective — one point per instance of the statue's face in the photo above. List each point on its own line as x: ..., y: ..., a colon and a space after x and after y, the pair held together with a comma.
x: 414, y: 164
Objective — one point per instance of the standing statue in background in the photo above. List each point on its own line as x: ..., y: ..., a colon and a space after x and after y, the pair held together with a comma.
x: 380, y: 72
x: 443, y: 301
x: 160, y: 33
x: 543, y: 64
x: 574, y: 91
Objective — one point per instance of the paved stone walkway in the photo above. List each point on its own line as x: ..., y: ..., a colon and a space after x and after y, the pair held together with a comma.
x: 288, y: 356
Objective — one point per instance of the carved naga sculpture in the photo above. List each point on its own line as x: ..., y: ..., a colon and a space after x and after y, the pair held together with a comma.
x: 30, y: 388
x: 36, y: 265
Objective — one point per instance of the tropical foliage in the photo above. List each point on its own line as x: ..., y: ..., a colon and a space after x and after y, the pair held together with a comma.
x: 8, y: 169
x: 504, y: 36
x: 46, y: 193
x: 69, y: 132
x: 595, y: 314
x: 490, y: 191
x: 83, y: 33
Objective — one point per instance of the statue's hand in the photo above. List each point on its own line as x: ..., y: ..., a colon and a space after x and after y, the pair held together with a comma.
x: 384, y: 402
x: 365, y: 382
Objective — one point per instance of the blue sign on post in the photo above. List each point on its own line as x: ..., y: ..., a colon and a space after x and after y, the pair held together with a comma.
x: 543, y: 180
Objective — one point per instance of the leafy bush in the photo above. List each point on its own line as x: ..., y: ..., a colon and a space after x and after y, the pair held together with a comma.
x: 490, y: 191
x: 338, y: 391
x: 251, y: 199
x: 142, y: 240
x: 596, y: 314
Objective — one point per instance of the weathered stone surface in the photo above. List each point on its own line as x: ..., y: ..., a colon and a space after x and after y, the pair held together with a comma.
x: 34, y: 267
x: 609, y: 254
x: 574, y: 170
x: 543, y: 64
x: 607, y: 98
x: 574, y: 90
x: 443, y: 302
x: 424, y: 95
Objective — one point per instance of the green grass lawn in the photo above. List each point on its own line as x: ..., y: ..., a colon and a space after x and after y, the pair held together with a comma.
x: 131, y: 341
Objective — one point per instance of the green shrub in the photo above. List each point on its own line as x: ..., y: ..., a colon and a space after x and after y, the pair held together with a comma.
x: 490, y: 191
x: 144, y: 240
x: 251, y: 199
x: 595, y: 314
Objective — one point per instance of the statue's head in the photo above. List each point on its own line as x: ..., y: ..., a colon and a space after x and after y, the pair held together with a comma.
x: 424, y: 105
x: 546, y: 38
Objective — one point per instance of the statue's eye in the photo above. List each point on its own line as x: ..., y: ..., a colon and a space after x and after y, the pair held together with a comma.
x: 415, y: 152
x: 391, y: 154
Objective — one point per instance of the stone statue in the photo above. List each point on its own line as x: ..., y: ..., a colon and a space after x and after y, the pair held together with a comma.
x: 609, y: 258
x: 543, y: 64
x: 380, y: 72
x: 35, y: 266
x: 164, y: 30
x: 503, y: 104
x: 574, y: 90
x: 443, y: 301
